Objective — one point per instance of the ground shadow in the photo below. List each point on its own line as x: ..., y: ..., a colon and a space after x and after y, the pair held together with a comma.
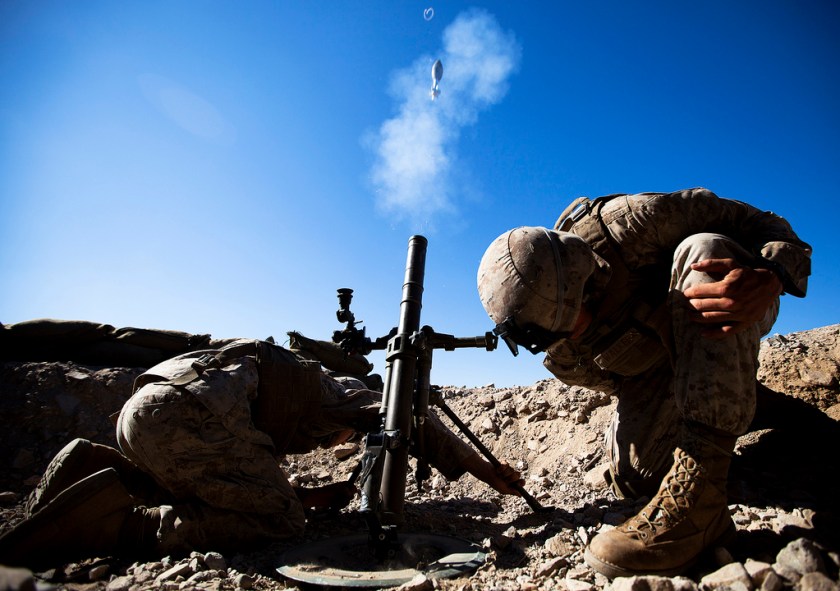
x: 790, y: 461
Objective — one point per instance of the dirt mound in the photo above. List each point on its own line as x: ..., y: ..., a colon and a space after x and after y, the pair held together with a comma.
x: 782, y: 487
x: 804, y: 365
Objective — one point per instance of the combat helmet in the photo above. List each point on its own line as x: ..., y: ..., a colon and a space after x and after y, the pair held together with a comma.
x: 531, y: 281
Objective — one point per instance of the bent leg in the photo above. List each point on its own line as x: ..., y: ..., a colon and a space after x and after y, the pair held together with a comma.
x: 79, y: 459
x: 715, y: 379
x: 227, y: 488
x: 643, y: 433
x: 714, y: 387
x: 185, y: 527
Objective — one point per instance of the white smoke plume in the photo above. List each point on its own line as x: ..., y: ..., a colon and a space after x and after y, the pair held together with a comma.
x: 414, y: 151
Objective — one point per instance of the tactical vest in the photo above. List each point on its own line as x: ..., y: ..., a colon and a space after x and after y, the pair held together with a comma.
x: 288, y: 392
x: 631, y: 327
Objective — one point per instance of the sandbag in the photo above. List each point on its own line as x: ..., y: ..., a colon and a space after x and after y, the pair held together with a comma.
x: 164, y: 340
x: 48, y: 339
x: 92, y: 343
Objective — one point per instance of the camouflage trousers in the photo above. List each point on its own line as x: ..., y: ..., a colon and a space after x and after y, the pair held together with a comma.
x: 710, y: 385
x: 230, y: 488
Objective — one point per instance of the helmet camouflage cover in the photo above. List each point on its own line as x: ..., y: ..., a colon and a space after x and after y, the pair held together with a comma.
x: 536, y: 277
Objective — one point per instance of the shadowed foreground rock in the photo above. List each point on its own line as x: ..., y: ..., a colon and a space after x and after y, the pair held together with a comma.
x: 783, y: 492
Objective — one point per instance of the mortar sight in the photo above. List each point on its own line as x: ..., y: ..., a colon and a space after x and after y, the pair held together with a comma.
x: 345, y: 296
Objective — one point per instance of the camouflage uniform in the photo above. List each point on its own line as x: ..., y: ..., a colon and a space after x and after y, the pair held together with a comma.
x: 642, y: 345
x: 198, y: 440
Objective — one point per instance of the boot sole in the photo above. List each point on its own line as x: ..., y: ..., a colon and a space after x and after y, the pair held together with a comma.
x: 37, y: 541
x: 613, y: 571
x: 76, y: 454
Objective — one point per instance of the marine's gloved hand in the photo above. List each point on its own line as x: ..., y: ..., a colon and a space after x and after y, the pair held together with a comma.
x: 334, y: 496
x: 503, y: 477
x: 507, y: 479
x: 739, y: 297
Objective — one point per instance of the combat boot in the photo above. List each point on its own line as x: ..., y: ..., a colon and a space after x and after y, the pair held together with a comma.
x: 688, y: 514
x: 93, y: 517
x: 81, y: 458
x: 624, y: 488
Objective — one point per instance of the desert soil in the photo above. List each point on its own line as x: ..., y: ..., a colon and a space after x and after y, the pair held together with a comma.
x: 783, y: 489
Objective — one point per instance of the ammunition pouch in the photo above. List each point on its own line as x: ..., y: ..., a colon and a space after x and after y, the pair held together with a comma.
x: 634, y: 352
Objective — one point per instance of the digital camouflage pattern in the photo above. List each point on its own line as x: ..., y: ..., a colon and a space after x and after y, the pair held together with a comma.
x: 642, y: 345
x: 199, y: 442
x: 536, y: 275
x: 649, y: 226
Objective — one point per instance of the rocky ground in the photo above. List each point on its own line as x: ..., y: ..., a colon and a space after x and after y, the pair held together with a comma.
x: 784, y: 491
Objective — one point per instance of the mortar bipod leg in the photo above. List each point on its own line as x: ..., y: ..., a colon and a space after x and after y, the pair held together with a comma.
x: 437, y: 400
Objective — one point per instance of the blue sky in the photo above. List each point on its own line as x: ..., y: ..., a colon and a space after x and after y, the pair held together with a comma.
x: 224, y: 167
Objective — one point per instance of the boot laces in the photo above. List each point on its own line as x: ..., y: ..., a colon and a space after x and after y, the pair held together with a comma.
x: 671, y: 503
